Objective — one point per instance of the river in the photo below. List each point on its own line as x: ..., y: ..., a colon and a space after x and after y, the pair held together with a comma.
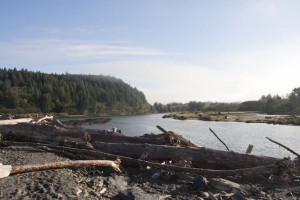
x: 236, y: 135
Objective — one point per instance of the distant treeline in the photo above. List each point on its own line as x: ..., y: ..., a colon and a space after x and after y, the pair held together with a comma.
x: 193, y: 106
x: 23, y: 91
x: 266, y: 104
x: 275, y: 104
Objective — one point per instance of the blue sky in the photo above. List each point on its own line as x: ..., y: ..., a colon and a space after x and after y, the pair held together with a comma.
x: 174, y: 51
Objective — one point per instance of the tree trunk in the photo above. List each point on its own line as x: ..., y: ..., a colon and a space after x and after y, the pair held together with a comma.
x: 51, y: 134
x: 88, y: 154
x: 248, y: 172
x: 58, y: 134
x: 199, y: 155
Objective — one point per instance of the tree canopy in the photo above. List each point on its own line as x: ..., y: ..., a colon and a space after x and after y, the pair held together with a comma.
x: 24, y: 91
x: 275, y: 104
x: 266, y: 104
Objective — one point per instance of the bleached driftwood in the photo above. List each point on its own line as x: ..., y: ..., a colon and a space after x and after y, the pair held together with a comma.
x: 15, y: 121
x: 6, y: 170
x: 44, y: 118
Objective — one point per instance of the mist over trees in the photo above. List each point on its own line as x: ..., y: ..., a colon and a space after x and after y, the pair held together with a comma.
x: 23, y: 91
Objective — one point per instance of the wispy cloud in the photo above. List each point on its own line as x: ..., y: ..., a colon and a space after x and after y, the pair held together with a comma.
x: 246, y: 75
x: 229, y: 76
x: 58, y: 32
x: 29, y: 52
x: 173, y: 82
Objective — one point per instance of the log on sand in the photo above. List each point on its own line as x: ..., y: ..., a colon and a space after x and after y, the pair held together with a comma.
x: 58, y: 133
x: 198, y: 155
x: 88, y: 154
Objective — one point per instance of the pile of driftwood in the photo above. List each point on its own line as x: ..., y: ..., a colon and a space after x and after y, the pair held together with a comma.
x: 168, y: 151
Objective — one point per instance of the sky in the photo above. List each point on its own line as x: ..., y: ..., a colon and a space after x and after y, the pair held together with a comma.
x: 172, y: 50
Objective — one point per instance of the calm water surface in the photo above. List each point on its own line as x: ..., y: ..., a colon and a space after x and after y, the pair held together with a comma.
x: 236, y: 135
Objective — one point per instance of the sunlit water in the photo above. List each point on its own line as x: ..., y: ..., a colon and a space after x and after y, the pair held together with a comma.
x: 236, y: 135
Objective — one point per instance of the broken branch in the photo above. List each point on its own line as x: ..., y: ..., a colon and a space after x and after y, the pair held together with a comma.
x: 285, y: 147
x: 58, y: 165
x: 219, y: 138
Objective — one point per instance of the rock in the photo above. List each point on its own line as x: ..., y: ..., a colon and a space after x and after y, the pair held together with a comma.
x: 174, y: 178
x: 200, y: 183
x: 289, y: 194
x: 261, y: 194
x: 238, y: 196
x: 268, y: 197
x: 223, y: 184
x: 156, y: 175
x: 212, y: 196
x: 102, y: 191
x: 78, y: 191
x: 136, y: 193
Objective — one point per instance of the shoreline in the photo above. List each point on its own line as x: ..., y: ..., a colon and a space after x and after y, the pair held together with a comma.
x: 246, y: 117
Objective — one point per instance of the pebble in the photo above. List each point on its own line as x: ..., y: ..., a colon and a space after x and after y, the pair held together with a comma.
x: 156, y: 175
x: 204, y: 194
x: 289, y: 194
x: 137, y: 194
x: 103, y: 191
x: 78, y: 191
x: 261, y: 194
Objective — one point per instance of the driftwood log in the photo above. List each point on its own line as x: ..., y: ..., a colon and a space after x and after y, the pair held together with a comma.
x: 89, y: 154
x: 6, y: 170
x: 168, y: 146
x: 99, y: 120
x: 15, y: 121
x: 59, y: 134
x: 134, y: 146
x: 175, y: 139
x: 200, y: 156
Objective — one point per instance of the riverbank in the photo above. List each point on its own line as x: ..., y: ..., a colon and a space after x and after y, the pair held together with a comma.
x: 247, y: 117
x: 103, y: 183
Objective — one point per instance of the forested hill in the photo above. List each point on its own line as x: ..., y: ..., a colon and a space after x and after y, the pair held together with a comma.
x: 27, y: 92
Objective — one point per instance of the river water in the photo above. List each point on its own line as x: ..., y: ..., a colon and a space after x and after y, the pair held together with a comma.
x: 236, y: 135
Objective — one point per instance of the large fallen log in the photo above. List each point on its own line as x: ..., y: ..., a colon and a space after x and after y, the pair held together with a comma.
x: 134, y: 146
x: 81, y: 122
x: 198, y: 155
x: 248, y: 172
x: 58, y: 134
